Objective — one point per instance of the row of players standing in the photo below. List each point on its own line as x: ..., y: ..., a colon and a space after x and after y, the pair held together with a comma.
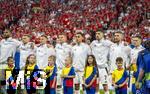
x: 104, y: 51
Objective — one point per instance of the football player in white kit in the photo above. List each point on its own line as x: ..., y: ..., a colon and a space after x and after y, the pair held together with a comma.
x: 8, y: 47
x: 26, y: 48
x: 100, y: 49
x: 119, y: 49
x: 63, y: 50
x: 79, y: 55
x: 136, y: 41
x: 43, y: 51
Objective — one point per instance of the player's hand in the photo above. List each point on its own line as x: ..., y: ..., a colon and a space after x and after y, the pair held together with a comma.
x: 50, y: 46
x: 126, y: 43
x: 133, y: 61
x: 128, y: 67
x: 83, y: 79
x: 116, y: 86
x: 32, y: 46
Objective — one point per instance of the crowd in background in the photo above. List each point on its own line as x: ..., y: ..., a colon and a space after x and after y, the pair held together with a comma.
x: 51, y: 17
x: 111, y: 32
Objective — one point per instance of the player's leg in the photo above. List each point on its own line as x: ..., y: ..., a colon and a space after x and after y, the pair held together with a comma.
x: 59, y: 82
x: 2, y: 78
x: 104, y: 79
x: 78, y: 81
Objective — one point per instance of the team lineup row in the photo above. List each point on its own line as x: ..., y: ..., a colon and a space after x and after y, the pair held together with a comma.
x: 80, y: 68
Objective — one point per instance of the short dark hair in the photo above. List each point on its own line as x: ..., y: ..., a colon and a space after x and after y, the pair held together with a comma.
x: 80, y: 33
x: 100, y: 31
x: 119, y: 32
x: 44, y: 36
x: 7, y: 29
x: 137, y: 36
x: 63, y: 34
x: 119, y: 59
x: 27, y: 35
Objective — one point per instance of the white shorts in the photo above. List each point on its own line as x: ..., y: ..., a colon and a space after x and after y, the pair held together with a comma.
x: 103, y: 76
x: 79, y: 78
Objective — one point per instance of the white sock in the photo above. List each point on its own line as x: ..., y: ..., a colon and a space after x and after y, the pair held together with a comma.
x: 59, y: 91
x: 84, y: 92
x: 77, y: 91
x: 107, y: 92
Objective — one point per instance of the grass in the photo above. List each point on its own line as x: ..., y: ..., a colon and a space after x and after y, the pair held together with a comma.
x: 102, y: 92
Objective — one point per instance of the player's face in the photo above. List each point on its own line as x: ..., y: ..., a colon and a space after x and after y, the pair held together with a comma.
x: 90, y: 60
x: 62, y: 38
x: 51, y: 61
x: 88, y: 41
x: 6, y: 34
x: 79, y: 38
x: 43, y: 40
x: 117, y: 37
x: 99, y: 35
x: 25, y: 39
x: 136, y: 41
x: 32, y: 59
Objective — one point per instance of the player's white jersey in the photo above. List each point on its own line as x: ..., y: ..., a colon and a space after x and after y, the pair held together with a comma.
x: 118, y: 50
x: 79, y: 54
x: 25, y: 51
x: 8, y: 48
x: 62, y: 51
x: 134, y: 53
x: 42, y: 54
x: 100, y: 50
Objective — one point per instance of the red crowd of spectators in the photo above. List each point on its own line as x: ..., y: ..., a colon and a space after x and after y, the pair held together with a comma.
x: 52, y: 17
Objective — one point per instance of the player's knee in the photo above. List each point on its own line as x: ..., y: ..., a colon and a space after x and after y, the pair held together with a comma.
x: 105, y: 86
x: 59, y: 86
x: 77, y: 86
